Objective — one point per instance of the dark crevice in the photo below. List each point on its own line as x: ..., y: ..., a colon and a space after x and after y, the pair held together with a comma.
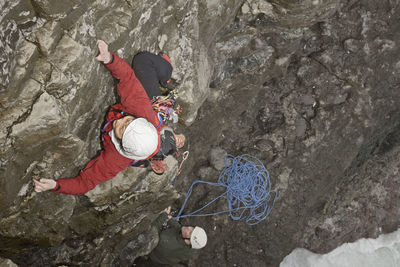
x: 38, y: 11
x: 24, y: 116
x: 391, y: 140
x: 312, y: 57
x: 381, y: 142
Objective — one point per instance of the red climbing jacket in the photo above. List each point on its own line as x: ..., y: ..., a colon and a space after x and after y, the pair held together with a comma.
x: 109, y: 163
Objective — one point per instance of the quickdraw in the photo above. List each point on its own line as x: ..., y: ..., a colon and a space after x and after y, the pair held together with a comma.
x: 166, y: 106
x: 185, y: 155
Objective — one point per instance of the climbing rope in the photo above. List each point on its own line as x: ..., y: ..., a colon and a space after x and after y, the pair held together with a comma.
x: 248, y: 190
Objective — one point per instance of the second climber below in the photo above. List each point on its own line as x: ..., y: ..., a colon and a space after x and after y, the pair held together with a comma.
x: 132, y: 132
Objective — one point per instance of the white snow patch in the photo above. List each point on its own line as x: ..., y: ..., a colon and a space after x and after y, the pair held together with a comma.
x: 383, y: 252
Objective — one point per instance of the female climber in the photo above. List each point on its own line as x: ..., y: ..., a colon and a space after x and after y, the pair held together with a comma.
x: 132, y: 132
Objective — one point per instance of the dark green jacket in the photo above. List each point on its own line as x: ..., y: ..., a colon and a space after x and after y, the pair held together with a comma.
x: 171, y: 247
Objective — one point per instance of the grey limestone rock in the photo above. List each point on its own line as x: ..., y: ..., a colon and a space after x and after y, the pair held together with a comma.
x: 7, y: 263
x: 53, y: 98
x: 332, y: 152
x: 309, y: 87
x: 217, y: 156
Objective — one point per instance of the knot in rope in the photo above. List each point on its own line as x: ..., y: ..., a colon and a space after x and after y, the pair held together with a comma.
x: 248, y: 187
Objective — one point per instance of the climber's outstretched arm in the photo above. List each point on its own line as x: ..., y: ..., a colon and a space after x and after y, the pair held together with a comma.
x: 98, y: 170
x: 134, y: 98
x: 117, y: 66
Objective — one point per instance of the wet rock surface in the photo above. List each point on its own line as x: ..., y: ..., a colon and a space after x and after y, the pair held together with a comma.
x: 310, y: 88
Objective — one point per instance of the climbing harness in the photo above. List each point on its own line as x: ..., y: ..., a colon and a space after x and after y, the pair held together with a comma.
x: 104, y: 130
x: 248, y: 190
x: 165, y: 108
x: 160, y: 119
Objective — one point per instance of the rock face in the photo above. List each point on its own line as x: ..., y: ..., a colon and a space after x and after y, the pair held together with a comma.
x: 53, y: 97
x: 309, y: 87
x: 7, y: 263
x: 319, y: 105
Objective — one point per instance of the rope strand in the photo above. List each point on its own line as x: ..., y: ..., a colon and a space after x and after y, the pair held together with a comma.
x: 248, y: 190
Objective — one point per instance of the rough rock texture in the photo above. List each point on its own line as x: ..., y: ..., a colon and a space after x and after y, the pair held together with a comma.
x: 7, y: 263
x: 319, y: 105
x: 53, y: 99
x: 289, y: 13
x: 309, y: 87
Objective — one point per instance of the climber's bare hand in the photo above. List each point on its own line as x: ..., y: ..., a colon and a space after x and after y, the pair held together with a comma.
x: 104, y: 54
x: 168, y: 210
x: 44, y: 184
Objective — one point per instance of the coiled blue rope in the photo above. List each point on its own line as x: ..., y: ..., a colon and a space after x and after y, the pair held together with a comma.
x: 248, y: 190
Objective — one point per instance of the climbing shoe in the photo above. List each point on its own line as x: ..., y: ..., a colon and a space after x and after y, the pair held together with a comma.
x: 158, y: 166
x: 178, y: 138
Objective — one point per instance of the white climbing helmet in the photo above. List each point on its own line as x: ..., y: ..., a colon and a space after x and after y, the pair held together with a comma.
x: 198, y: 239
x: 139, y: 140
